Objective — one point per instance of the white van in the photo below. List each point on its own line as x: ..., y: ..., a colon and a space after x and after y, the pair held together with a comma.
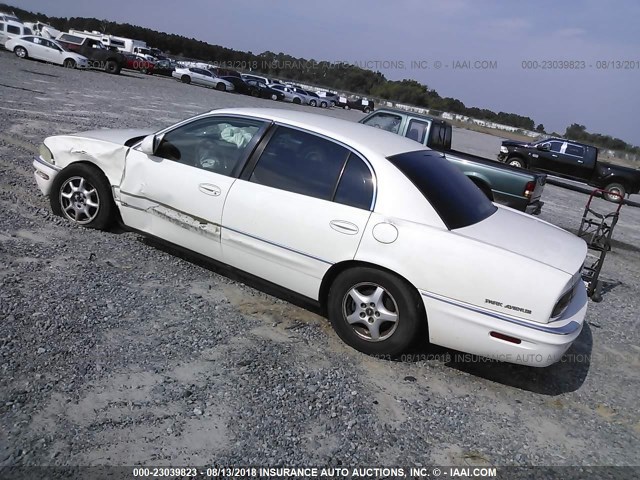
x: 11, y: 27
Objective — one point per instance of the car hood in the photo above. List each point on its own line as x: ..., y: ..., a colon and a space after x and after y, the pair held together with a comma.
x: 529, y: 237
x: 118, y: 136
x: 513, y: 143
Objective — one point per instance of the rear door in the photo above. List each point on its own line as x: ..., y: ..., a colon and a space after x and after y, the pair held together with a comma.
x: 178, y: 193
x: 302, y: 208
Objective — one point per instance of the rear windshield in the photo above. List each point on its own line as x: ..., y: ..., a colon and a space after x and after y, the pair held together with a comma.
x: 458, y: 201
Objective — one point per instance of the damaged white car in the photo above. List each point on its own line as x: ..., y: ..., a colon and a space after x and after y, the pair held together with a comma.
x: 387, y: 236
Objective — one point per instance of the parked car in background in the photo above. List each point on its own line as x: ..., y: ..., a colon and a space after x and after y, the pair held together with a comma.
x: 46, y: 50
x: 164, y: 67
x: 43, y: 30
x: 264, y: 91
x: 100, y: 57
x: 573, y: 160
x: 332, y: 98
x: 290, y: 95
x: 250, y: 76
x: 317, y: 101
x: 240, y: 86
x: 388, y: 237
x: 200, y: 76
x: 509, y: 186
x: 356, y: 103
x: 11, y: 27
x: 138, y: 63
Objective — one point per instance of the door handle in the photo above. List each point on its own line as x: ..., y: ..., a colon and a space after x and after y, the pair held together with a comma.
x: 209, y: 189
x: 555, y: 156
x: 580, y: 161
x: 345, y: 227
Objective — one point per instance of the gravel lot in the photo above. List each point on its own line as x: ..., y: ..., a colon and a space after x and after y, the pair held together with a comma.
x: 117, y: 351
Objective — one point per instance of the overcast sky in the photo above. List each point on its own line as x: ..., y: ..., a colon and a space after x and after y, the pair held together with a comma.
x: 592, y: 33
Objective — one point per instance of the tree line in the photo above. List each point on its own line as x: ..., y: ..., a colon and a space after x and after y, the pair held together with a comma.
x: 334, y: 75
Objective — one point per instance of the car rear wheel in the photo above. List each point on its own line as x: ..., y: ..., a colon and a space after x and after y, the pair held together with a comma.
x: 297, y: 101
x: 20, y: 52
x: 112, y: 67
x: 323, y: 104
x: 185, y: 79
x: 374, y: 311
x: 313, y: 103
x: 274, y: 97
x: 81, y: 193
x: 366, y: 110
x: 69, y: 63
x: 516, y: 162
x: 221, y: 87
x: 617, y: 191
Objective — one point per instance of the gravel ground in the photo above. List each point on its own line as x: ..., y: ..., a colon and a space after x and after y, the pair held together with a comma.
x: 117, y: 351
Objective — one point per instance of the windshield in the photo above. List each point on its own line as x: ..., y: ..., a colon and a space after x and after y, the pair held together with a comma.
x: 458, y: 201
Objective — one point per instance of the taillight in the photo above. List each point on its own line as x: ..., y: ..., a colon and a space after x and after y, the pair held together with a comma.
x: 506, y: 338
x: 529, y: 188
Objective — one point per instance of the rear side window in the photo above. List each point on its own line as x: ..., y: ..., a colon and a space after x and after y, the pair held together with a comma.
x: 417, y: 130
x: 300, y: 162
x: 356, y: 185
x: 575, y: 150
x: 13, y: 29
x: 1, y: 27
x: 457, y: 200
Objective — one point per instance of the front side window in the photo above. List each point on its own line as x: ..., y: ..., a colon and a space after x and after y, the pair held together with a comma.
x: 215, y: 144
x: 556, y: 146
x: 300, y: 162
x: 386, y: 121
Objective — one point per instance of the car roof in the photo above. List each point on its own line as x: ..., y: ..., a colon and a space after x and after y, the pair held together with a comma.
x: 363, y: 138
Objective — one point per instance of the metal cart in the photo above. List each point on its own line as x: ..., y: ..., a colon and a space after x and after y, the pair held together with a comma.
x: 596, y: 229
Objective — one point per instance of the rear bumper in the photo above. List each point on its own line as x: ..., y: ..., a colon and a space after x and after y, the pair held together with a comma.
x: 468, y: 328
x: 534, y: 208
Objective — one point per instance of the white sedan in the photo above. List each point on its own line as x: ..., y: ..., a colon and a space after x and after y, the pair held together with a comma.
x: 48, y: 50
x: 393, y: 241
x: 200, y: 76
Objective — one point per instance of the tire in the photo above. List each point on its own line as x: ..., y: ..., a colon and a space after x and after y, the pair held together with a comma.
x: 333, y: 104
x: 112, y: 67
x: 21, y: 52
x: 347, y: 107
x: 274, y: 97
x: 323, y: 104
x: 185, y: 79
x: 516, y: 162
x: 366, y: 110
x: 615, y: 188
x: 82, y: 194
x: 144, y: 70
x: 69, y: 63
x: 313, y: 103
x: 297, y: 101
x: 396, y: 300
x: 221, y: 87
x: 255, y: 93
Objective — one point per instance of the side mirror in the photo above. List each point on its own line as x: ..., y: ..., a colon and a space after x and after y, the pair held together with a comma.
x: 148, y: 145
x: 543, y: 146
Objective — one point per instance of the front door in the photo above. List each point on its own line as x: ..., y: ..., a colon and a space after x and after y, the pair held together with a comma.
x: 178, y: 193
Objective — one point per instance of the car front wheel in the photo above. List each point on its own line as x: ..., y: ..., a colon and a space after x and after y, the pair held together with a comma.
x: 20, y: 52
x: 615, y: 192
x: 516, y: 162
x: 69, y: 63
x: 81, y: 193
x: 112, y: 67
x: 374, y: 311
x: 221, y: 87
x: 313, y: 103
x: 185, y: 79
